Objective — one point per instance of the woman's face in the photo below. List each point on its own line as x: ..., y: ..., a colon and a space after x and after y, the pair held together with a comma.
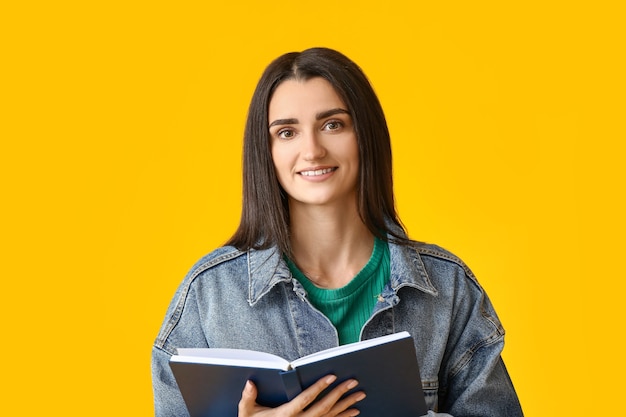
x: 313, y: 143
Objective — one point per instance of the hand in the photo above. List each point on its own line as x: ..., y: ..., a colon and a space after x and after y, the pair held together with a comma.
x: 331, y: 405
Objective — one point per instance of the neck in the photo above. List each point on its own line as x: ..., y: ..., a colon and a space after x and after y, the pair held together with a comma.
x: 330, y: 245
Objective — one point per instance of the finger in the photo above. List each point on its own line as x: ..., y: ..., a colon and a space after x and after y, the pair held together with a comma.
x: 306, y: 397
x: 332, y: 403
x: 248, y: 400
x: 342, y: 407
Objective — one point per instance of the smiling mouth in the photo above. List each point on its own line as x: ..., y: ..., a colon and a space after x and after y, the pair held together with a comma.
x: 317, y: 172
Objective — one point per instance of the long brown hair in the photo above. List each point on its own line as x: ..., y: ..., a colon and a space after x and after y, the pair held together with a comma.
x: 265, y: 212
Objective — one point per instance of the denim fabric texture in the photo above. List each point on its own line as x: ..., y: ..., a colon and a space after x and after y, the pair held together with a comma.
x: 249, y: 300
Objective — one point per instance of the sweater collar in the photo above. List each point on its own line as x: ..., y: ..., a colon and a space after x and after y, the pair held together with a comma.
x: 266, y: 268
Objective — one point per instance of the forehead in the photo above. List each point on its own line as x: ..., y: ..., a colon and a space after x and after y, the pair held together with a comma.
x: 301, y: 98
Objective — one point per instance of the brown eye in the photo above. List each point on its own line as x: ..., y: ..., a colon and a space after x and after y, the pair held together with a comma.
x: 333, y: 125
x: 285, y: 134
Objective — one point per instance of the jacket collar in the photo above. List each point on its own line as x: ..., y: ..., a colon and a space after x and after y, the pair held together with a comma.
x: 266, y: 268
x: 407, y: 269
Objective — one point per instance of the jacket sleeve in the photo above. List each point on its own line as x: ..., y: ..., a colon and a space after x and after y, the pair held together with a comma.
x: 167, y: 399
x: 476, y: 381
x: 483, y: 388
x: 181, y: 328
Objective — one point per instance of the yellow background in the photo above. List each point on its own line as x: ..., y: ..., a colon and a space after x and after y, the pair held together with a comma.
x: 121, y: 127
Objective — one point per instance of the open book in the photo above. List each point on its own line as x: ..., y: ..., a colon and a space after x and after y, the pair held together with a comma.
x: 211, y: 380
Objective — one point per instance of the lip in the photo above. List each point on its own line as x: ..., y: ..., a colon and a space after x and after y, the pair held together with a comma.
x: 317, y: 173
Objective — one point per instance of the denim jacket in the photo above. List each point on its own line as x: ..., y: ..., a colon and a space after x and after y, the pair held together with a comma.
x: 249, y: 300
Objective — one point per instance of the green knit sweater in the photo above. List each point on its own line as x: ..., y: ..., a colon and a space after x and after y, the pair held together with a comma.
x: 349, y: 307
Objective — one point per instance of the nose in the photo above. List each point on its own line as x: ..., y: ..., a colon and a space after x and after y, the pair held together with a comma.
x: 312, y: 147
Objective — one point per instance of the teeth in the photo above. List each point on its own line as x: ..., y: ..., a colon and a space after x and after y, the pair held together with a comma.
x: 316, y: 172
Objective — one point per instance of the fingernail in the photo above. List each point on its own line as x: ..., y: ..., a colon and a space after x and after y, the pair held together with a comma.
x: 361, y: 396
x: 248, y: 386
x: 331, y: 379
x: 353, y: 384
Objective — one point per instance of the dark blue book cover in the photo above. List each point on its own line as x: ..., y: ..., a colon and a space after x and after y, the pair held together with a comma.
x: 385, y: 367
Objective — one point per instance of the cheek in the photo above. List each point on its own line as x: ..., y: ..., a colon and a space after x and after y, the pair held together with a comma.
x: 274, y: 152
x: 280, y: 158
x: 352, y: 152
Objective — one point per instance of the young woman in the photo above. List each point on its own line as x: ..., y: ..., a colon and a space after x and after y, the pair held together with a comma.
x: 320, y: 257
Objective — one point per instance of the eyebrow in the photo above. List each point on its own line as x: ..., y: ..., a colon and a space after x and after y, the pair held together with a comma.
x: 318, y: 116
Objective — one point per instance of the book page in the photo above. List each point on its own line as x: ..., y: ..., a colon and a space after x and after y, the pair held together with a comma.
x: 352, y: 347
x: 232, y: 357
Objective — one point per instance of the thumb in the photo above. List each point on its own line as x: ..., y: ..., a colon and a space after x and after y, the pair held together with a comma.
x: 248, y: 399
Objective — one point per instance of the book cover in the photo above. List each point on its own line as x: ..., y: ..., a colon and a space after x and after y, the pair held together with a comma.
x: 211, y: 380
